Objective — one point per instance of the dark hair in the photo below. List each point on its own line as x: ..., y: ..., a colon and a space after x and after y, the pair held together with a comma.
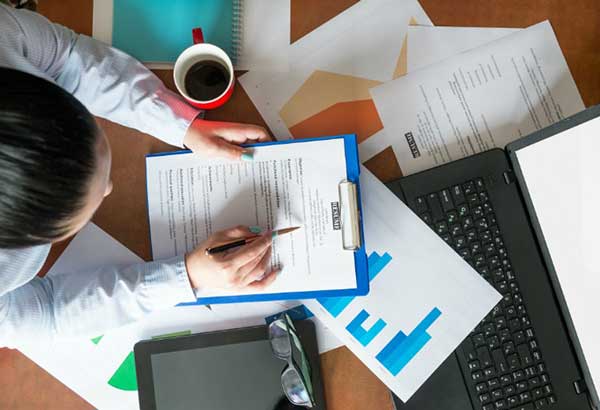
x: 47, y: 159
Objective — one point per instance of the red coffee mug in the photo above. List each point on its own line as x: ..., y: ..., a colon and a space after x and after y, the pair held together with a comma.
x: 199, y: 52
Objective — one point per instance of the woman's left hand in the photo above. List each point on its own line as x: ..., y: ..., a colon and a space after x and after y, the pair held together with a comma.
x: 223, y: 139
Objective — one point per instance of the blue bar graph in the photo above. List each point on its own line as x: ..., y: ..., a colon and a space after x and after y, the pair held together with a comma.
x: 361, y: 334
x: 335, y: 306
x: 401, y: 349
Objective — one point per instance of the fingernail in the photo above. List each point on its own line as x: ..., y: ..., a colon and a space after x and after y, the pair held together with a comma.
x: 247, y: 156
x: 255, y: 229
x: 273, y: 234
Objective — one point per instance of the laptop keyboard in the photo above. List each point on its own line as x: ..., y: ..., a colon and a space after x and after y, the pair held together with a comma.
x: 505, y: 364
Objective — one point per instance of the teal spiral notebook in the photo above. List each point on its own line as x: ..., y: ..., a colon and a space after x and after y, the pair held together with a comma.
x: 157, y: 31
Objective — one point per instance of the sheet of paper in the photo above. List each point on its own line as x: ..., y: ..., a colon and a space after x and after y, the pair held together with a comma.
x: 286, y: 185
x: 561, y: 175
x: 332, y: 68
x: 102, y: 370
x: 428, y: 45
x: 477, y: 100
x: 424, y: 298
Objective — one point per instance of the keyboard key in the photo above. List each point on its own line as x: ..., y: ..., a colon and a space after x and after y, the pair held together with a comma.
x: 471, y: 235
x: 484, y: 357
x: 463, y: 210
x: 544, y: 378
x: 551, y: 399
x: 480, y: 388
x: 469, y: 349
x: 513, y: 361
x: 534, y: 382
x: 521, y: 386
x: 505, y: 335
x: 541, y: 367
x: 499, y: 360
x: 476, y: 248
x: 501, y: 405
x: 455, y: 230
x: 493, y: 342
x: 464, y: 253
x: 525, y: 397
x: 524, y: 355
x: 483, y: 197
x: 426, y: 217
x: 467, y: 223
x: 433, y: 202
x: 497, y: 394
x: 509, y: 348
x: 477, y: 211
x: 447, y: 204
x: 478, y: 340
x: 509, y: 390
x: 452, y: 217
x: 529, y: 333
x: 541, y: 403
x: 485, y: 236
x: 469, y: 188
x: 519, y: 337
x: 518, y: 375
x: 474, y: 365
x: 447, y: 238
x: 457, y: 194
x: 473, y: 200
x: 547, y: 389
x: 441, y: 227
x: 489, y: 330
x: 526, y: 406
x: 421, y: 205
x: 514, y: 325
x: 489, y: 372
x: 492, y: 218
x: 477, y: 376
x: 481, y: 224
x: 487, y: 207
x: 485, y: 398
x: 479, y: 184
x: 493, y: 384
x: 460, y: 242
x: 488, y: 407
x: 537, y: 393
x: 530, y: 371
x: 513, y: 401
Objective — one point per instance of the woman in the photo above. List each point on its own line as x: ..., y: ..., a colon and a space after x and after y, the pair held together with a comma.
x: 55, y: 171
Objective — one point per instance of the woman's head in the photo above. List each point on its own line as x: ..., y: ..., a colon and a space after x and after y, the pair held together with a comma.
x: 54, y: 162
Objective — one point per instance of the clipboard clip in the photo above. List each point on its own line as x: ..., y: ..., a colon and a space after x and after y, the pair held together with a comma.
x: 349, y: 215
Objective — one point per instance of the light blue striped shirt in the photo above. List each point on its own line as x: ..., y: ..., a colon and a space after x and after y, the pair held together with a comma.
x: 114, y: 86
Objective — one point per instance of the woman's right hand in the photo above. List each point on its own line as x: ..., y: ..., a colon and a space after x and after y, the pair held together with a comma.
x: 247, y: 267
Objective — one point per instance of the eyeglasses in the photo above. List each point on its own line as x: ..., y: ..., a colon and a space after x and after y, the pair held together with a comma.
x: 296, y: 376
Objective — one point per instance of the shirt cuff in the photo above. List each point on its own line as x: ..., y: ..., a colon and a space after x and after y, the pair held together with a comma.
x: 183, y: 112
x: 167, y: 283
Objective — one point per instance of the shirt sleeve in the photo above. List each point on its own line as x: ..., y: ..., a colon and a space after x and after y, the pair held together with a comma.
x: 110, y: 83
x: 88, y: 303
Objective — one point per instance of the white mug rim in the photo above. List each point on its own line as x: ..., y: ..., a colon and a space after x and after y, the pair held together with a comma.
x: 213, y: 51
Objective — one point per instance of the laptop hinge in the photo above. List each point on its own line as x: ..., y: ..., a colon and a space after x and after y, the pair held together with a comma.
x: 509, y: 177
x: 580, y: 386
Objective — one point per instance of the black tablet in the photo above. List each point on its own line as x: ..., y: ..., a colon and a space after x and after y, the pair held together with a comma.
x: 226, y: 370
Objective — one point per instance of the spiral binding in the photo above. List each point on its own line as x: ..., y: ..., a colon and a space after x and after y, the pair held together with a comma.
x: 237, y: 30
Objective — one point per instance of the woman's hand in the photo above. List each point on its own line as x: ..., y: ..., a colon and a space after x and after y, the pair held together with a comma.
x: 246, y: 267
x: 222, y: 139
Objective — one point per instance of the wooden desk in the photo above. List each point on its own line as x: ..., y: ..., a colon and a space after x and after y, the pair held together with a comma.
x: 348, y: 384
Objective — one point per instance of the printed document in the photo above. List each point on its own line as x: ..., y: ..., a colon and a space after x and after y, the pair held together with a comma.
x: 424, y: 298
x: 286, y: 185
x: 477, y: 100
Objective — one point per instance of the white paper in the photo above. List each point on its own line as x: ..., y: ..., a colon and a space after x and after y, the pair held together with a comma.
x: 265, y: 36
x: 428, y: 45
x: 369, y: 53
x: 477, y: 100
x: 86, y: 367
x: 286, y: 185
x: 561, y: 174
x: 423, y: 274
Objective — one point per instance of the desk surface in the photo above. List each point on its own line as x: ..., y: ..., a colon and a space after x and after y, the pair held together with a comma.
x: 348, y: 384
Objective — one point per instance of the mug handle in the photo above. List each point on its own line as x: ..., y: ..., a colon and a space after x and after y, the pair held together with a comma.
x: 197, y: 35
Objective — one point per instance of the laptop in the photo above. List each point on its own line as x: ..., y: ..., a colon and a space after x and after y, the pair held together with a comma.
x: 526, y: 218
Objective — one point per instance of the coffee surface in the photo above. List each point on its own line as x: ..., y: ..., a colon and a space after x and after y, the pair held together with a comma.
x: 206, y: 80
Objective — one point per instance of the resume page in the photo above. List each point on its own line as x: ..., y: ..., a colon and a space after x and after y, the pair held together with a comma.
x: 190, y: 198
x: 477, y: 100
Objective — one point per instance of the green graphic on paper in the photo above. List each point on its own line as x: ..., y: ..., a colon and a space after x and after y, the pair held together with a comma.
x: 97, y: 339
x: 125, y: 377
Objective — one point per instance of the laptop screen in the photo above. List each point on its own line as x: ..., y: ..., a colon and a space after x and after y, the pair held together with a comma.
x: 562, y: 177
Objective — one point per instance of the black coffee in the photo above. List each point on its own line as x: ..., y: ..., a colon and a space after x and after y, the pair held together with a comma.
x: 206, y: 80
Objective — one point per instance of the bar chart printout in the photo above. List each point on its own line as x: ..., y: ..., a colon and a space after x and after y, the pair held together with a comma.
x: 402, y: 348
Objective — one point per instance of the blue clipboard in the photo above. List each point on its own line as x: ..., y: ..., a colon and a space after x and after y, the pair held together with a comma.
x: 360, y: 255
